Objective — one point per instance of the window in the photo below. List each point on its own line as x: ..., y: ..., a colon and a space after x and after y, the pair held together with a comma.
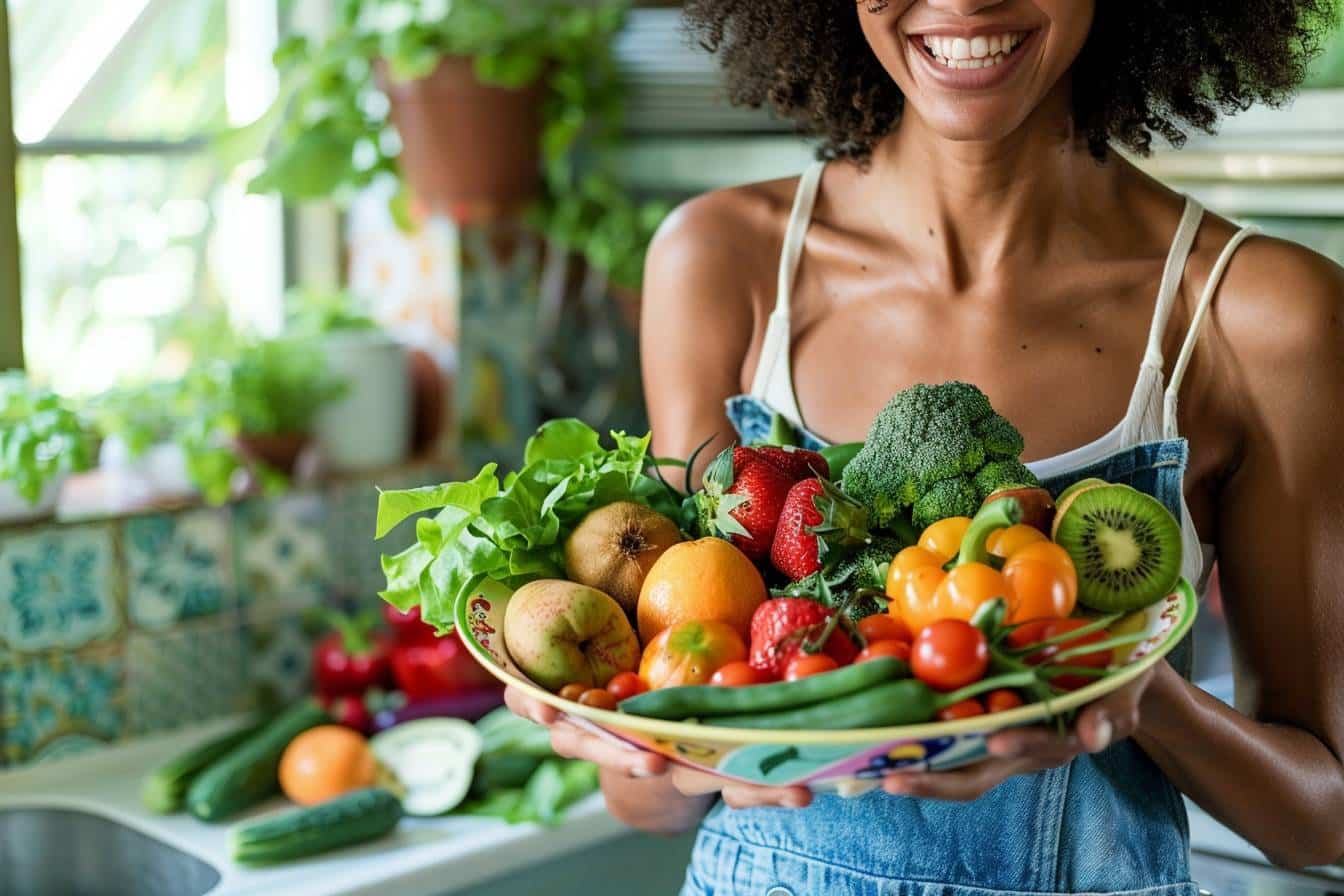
x: 130, y: 222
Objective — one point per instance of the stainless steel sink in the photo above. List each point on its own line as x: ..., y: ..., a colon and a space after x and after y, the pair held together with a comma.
x: 64, y: 852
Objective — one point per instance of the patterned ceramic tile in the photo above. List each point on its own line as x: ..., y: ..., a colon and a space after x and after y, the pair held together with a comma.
x: 178, y: 566
x: 61, y: 703
x: 281, y: 553
x: 279, y: 661
x: 57, y: 587
x: 195, y: 672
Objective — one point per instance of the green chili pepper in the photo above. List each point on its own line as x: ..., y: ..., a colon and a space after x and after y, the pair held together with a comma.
x: 704, y: 701
x: 907, y: 702
x: 839, y: 456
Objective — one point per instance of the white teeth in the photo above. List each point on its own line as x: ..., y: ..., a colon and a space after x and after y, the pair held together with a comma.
x: 977, y: 52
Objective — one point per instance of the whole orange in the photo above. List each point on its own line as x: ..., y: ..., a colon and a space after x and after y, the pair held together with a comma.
x: 706, y: 580
x: 690, y: 653
x: 325, y: 762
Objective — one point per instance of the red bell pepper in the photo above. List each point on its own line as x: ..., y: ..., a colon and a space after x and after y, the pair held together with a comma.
x: 438, y: 669
x: 408, y: 627
x: 351, y: 659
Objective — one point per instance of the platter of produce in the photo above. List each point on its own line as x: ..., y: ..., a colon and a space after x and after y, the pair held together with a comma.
x: 800, y: 617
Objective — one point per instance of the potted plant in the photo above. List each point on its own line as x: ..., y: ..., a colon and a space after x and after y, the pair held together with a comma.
x: 369, y: 426
x: 42, y: 441
x: 168, y: 441
x: 275, y: 389
x: 477, y: 104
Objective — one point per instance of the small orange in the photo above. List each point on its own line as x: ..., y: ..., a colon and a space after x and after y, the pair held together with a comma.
x: 325, y: 762
x: 707, y: 580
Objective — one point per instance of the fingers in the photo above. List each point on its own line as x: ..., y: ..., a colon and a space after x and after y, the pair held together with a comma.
x: 1112, y: 718
x: 573, y: 743
x: 739, y: 796
x: 530, y: 708
x: 960, y: 785
x: 1044, y: 744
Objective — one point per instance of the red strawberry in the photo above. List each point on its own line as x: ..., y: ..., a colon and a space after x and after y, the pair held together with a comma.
x: 794, y: 552
x: 779, y: 628
x: 755, y: 501
x: 799, y: 463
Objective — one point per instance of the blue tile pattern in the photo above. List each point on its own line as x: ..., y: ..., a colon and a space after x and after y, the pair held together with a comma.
x: 193, y: 673
x: 57, y: 588
x: 178, y: 566
x: 64, y: 695
x: 281, y: 555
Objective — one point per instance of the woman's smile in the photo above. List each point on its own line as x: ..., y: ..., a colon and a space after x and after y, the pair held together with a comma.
x: 970, y: 60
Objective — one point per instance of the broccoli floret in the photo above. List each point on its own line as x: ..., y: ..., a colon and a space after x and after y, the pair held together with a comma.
x: 924, y: 451
x: 951, y: 497
x: 999, y: 474
x: 866, y: 568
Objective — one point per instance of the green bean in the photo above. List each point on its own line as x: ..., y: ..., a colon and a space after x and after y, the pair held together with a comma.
x: 704, y: 701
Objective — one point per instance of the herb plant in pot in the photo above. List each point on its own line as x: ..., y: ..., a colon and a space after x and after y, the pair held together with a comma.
x: 141, y: 462
x: 276, y: 388
x: 42, y: 441
x: 369, y: 425
x: 480, y: 105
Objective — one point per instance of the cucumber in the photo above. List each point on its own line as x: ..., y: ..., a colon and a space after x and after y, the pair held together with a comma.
x: 432, y: 760
x: 248, y: 774
x: 355, y: 817
x: 164, y: 789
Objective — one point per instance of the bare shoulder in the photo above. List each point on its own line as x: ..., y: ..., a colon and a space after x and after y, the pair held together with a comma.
x: 727, y: 240
x: 1280, y: 302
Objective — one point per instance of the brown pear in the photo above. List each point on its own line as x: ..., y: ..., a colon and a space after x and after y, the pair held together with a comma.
x: 614, y: 547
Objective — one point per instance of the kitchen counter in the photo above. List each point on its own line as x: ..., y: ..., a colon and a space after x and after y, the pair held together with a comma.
x: 424, y: 857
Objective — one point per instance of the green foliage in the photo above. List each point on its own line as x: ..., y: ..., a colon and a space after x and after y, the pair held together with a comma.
x: 329, y: 129
x: 41, y: 437
x: 317, y: 312
x: 511, y: 531
x: 278, y: 385
x: 937, y: 450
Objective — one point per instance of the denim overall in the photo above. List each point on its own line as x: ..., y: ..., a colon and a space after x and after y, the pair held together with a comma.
x: 1109, y: 822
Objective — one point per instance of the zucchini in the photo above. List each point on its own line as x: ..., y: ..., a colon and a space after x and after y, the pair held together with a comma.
x: 432, y: 760
x: 165, y: 788
x: 351, y: 818
x: 248, y: 774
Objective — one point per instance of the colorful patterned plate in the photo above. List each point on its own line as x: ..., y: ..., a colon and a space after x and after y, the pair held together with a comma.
x: 847, y: 762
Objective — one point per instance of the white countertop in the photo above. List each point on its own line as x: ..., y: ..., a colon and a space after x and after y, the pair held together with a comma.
x: 424, y: 857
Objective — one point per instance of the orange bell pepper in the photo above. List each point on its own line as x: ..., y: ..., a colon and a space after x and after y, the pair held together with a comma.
x: 926, y: 585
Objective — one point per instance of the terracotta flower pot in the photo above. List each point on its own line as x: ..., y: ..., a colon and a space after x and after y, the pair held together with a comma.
x: 279, y: 451
x: 470, y: 150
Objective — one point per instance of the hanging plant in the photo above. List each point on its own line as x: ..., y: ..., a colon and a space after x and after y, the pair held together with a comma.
x: 331, y: 129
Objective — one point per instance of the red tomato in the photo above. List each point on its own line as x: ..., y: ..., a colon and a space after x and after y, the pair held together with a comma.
x: 805, y: 664
x: 598, y: 699
x: 966, y: 709
x: 738, y: 674
x: 883, y: 627
x: 949, y: 654
x: 1029, y: 633
x: 875, y: 649
x: 1097, y: 660
x: 1002, y: 700
x: 626, y: 684
x: 690, y: 653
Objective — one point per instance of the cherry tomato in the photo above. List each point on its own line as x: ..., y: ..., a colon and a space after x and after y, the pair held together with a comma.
x: 738, y: 674
x: 966, y: 709
x: 805, y: 664
x: 883, y: 627
x: 598, y: 698
x: 626, y: 684
x: 949, y: 654
x: 572, y: 691
x: 1051, y: 628
x: 1002, y: 700
x: 1028, y: 633
x: 1006, y: 542
x: 889, y: 647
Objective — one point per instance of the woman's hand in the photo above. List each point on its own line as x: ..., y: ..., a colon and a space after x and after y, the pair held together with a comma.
x: 617, y: 761
x: 1022, y: 751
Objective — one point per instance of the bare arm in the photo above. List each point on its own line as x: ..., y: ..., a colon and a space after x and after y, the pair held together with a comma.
x: 1274, y: 774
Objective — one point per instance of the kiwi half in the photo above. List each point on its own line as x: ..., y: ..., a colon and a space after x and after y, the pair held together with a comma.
x: 1125, y: 545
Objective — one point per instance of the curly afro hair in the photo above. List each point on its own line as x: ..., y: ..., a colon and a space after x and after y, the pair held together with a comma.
x: 1149, y: 67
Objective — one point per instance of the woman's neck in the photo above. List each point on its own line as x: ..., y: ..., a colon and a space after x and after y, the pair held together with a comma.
x: 975, y: 208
